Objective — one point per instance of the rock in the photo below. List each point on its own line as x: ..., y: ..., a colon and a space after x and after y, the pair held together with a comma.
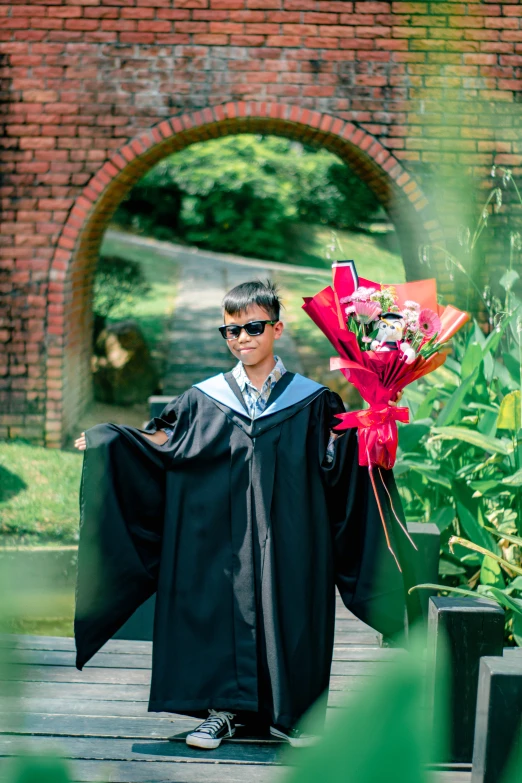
x: 123, y: 370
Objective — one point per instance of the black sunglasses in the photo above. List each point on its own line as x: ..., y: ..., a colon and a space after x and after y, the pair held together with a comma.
x: 253, y: 328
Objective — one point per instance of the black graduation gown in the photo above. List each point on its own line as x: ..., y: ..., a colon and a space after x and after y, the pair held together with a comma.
x: 243, y: 529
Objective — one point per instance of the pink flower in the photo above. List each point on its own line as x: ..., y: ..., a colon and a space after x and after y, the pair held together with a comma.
x: 367, y: 311
x: 411, y: 305
x: 429, y: 322
x: 362, y: 294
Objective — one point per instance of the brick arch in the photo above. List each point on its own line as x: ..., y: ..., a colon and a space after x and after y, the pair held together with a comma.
x: 76, y: 252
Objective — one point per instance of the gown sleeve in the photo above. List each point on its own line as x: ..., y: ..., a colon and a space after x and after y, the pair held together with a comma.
x: 122, y: 497
x: 366, y: 574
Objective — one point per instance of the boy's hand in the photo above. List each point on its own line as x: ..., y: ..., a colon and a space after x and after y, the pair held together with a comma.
x: 398, y: 398
x: 80, y: 443
x: 160, y: 436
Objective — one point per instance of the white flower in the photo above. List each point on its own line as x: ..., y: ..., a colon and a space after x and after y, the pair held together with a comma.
x: 411, y: 305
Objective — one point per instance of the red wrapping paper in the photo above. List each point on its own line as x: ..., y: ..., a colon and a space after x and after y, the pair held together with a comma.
x: 378, y: 375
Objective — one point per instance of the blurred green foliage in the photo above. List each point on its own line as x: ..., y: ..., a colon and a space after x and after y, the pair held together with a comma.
x: 119, y: 283
x: 243, y: 194
x: 382, y: 733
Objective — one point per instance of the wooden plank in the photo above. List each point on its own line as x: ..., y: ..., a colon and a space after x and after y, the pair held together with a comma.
x: 92, y: 674
x: 92, y: 708
x: 138, y: 693
x: 195, y: 772
x: 96, y: 725
x: 138, y: 680
x: 358, y: 636
x: 113, y: 660
x: 141, y: 750
x: 66, y: 706
x: 85, y: 771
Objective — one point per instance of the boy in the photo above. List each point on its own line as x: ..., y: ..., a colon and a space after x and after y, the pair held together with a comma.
x: 242, y: 510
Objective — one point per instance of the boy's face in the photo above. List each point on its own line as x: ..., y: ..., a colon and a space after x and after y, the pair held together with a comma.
x: 253, y: 350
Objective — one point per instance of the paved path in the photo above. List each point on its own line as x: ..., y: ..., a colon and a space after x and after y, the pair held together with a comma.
x: 196, y: 350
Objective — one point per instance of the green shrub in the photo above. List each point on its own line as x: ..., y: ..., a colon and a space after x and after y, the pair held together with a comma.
x: 460, y: 459
x: 118, y: 284
x: 243, y: 194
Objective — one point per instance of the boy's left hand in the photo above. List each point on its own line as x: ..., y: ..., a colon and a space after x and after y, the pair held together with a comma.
x: 398, y: 398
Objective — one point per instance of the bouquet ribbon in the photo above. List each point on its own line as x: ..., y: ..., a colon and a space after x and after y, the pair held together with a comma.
x: 378, y: 441
x: 378, y: 437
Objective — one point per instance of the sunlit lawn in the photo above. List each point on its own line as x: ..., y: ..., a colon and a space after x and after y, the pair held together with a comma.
x: 38, y: 494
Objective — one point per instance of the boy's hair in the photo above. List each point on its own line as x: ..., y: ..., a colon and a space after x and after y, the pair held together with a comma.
x: 263, y: 294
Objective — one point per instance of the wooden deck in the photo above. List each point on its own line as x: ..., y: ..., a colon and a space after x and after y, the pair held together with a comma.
x: 98, y: 718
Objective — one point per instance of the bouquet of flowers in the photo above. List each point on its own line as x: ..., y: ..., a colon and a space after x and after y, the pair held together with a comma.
x: 386, y: 337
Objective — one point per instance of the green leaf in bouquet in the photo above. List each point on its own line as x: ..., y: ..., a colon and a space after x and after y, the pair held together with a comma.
x: 491, y: 573
x: 509, y: 413
x: 475, y: 438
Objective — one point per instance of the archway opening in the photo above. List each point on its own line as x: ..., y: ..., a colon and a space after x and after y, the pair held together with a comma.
x: 398, y: 194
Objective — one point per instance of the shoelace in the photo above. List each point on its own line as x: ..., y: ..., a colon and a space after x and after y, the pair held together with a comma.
x: 216, y: 721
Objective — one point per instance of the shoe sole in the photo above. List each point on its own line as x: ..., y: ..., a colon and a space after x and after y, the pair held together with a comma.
x: 295, y: 743
x: 206, y: 744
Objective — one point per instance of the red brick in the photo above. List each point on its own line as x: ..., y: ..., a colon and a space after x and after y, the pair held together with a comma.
x: 137, y: 13
x: 320, y: 18
x: 247, y: 40
x: 210, y: 39
x: 82, y: 24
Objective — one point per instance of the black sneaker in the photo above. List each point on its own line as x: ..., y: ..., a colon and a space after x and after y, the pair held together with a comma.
x: 296, y: 737
x: 209, y: 734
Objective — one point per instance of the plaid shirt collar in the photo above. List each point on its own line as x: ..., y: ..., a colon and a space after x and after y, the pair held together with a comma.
x: 256, y: 399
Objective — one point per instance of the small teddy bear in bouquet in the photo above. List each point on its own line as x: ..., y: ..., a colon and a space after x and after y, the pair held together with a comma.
x: 379, y: 324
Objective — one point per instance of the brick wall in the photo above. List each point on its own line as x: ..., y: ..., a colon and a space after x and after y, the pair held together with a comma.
x: 420, y: 98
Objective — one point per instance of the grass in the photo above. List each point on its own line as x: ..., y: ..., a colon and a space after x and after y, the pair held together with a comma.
x: 38, y: 494
x: 376, y: 255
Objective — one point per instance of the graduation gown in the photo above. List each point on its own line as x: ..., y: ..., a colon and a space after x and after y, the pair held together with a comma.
x: 243, y: 529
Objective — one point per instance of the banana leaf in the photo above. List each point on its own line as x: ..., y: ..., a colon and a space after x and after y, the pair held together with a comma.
x: 476, y: 548
x: 474, y: 531
x: 453, y: 406
x: 474, y: 438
